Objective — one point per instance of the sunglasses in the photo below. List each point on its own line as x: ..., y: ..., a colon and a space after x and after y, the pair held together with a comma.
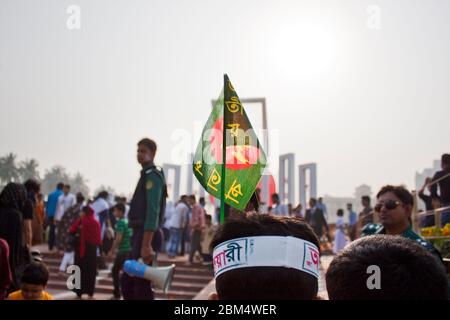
x: 389, y: 205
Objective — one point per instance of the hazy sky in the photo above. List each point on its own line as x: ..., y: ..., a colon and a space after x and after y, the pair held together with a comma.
x: 368, y: 105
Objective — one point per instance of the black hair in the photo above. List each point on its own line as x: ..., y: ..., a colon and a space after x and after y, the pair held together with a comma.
x: 121, y: 207
x: 102, y: 194
x: 192, y: 196
x: 149, y: 143
x: 80, y: 197
x: 408, y: 271
x: 208, y: 217
x: 275, y: 195
x: 60, y: 185
x: 265, y: 283
x: 399, y: 191
x: 35, y: 273
x: 313, y: 200
x: 32, y: 185
x: 445, y: 159
x: 366, y: 198
x: 340, y: 213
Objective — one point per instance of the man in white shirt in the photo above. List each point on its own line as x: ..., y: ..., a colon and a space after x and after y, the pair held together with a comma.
x: 176, y: 225
x: 65, y: 201
x: 278, y: 209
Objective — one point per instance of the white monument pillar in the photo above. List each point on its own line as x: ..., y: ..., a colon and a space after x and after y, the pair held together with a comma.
x: 304, y: 187
x: 176, y: 183
x: 289, y: 178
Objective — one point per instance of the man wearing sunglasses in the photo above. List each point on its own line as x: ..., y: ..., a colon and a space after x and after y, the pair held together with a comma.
x: 394, y: 208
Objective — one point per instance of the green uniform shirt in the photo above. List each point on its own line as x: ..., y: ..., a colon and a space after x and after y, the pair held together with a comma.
x: 372, y: 228
x: 122, y: 227
x: 154, y: 192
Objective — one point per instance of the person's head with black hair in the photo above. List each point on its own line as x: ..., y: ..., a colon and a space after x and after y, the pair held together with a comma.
x: 34, y: 281
x: 60, y: 186
x: 80, y: 198
x: 365, y: 201
x: 340, y: 213
x: 349, y: 206
x: 405, y: 269
x: 312, y: 202
x: 445, y: 161
x: 102, y: 194
x: 275, y: 198
x: 146, y: 151
x: 394, y: 208
x: 119, y: 210
x: 266, y: 282
x: 201, y: 201
x: 192, y: 200
x: 66, y: 189
x: 32, y: 185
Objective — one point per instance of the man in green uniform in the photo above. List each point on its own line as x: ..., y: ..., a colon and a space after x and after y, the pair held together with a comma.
x: 144, y: 218
x: 394, y: 208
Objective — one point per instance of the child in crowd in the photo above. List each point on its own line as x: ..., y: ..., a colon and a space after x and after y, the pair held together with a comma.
x: 33, y: 283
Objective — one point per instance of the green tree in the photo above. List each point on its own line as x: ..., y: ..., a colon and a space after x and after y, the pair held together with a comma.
x: 8, y: 169
x: 79, y: 184
x: 28, y: 170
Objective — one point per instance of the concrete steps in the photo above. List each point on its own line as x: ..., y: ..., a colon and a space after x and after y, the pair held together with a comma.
x: 187, y: 282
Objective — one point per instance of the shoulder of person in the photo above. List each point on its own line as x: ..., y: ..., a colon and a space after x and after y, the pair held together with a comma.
x: 371, y: 228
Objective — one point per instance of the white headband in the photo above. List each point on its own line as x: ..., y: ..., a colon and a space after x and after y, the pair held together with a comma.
x: 266, y: 251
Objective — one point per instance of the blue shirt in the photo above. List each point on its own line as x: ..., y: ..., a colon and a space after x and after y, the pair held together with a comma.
x: 52, y: 202
x: 353, y: 218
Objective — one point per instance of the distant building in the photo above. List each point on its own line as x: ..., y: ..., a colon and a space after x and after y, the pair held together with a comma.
x: 335, y: 203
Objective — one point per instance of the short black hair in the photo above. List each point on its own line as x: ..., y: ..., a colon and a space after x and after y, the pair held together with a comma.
x: 275, y: 195
x: 121, y: 207
x: 208, y: 217
x: 60, y: 185
x: 399, y: 191
x: 365, y: 198
x: 313, y: 200
x: 408, y: 271
x: 35, y: 273
x: 340, y: 213
x: 192, y: 196
x: 149, y: 143
x: 32, y: 185
x: 445, y: 159
x: 265, y: 283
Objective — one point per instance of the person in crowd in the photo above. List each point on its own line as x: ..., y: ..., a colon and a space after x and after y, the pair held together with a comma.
x: 65, y: 201
x: 386, y: 267
x: 428, y: 219
x: 168, y: 213
x: 121, y: 247
x: 12, y: 203
x: 52, y: 204
x: 352, y: 222
x: 297, y: 211
x: 340, y: 239
x: 315, y: 218
x: 146, y: 212
x: 101, y: 213
x: 253, y: 271
x: 68, y: 219
x: 197, y: 225
x: 366, y: 215
x: 5, y: 269
x: 394, y: 208
x: 38, y: 220
x: 33, y: 283
x: 206, y: 240
x: 278, y: 208
x: 320, y: 205
x: 185, y: 230
x: 441, y: 179
x: 29, y: 212
x: 88, y: 229
x: 175, y: 224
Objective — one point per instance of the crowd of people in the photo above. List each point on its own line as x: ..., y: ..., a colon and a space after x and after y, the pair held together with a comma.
x: 87, y: 231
